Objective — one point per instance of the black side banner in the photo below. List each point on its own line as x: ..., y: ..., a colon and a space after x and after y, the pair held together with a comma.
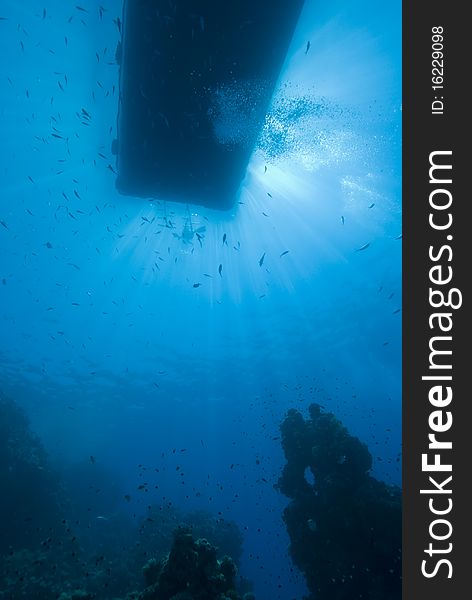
x: 436, y: 273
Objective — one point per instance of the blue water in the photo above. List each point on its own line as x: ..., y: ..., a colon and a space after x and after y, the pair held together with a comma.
x: 106, y: 342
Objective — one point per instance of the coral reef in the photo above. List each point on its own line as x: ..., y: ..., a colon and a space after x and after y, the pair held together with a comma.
x: 30, y: 503
x: 55, y: 543
x: 76, y: 595
x: 191, y: 571
x: 344, y: 525
x: 157, y: 528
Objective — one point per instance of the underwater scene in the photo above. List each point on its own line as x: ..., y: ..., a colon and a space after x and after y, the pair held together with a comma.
x: 201, y: 402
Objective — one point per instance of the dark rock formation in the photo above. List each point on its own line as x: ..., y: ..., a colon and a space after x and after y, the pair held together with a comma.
x: 191, y: 571
x: 156, y: 531
x: 30, y: 503
x: 344, y: 525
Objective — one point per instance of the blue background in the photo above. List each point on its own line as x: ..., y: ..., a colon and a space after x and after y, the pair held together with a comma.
x: 104, y: 338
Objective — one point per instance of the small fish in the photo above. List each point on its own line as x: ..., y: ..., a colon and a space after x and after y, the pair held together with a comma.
x: 261, y: 260
x: 48, y: 245
x: 399, y: 237
x: 308, y: 46
x: 127, y: 497
x: 364, y: 247
x: 220, y: 269
x: 81, y: 9
x: 312, y: 525
x: 224, y: 240
x: 196, y: 285
x: 371, y: 205
x: 270, y: 195
x: 265, y: 169
x: 93, y: 460
x: 4, y: 224
x: 284, y: 253
x: 342, y: 219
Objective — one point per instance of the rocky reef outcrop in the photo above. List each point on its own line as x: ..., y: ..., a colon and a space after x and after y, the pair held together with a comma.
x: 31, y: 498
x: 344, y: 525
x: 191, y: 571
